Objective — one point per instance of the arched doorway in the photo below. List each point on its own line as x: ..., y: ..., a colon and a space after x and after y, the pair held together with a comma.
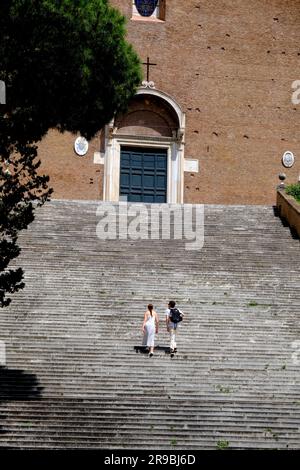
x: 144, y: 157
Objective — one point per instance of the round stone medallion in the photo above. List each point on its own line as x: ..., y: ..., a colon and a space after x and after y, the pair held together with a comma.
x: 288, y: 159
x: 81, y: 146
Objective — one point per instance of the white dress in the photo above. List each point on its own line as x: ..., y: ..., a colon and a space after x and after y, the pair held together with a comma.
x: 149, y: 335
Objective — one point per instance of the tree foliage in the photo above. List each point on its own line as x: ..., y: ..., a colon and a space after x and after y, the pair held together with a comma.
x: 66, y: 65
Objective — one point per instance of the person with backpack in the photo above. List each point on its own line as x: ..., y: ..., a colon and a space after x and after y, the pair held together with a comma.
x: 173, y: 317
x: 150, y: 327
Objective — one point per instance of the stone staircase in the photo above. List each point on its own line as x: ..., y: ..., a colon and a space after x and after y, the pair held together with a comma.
x: 73, y: 378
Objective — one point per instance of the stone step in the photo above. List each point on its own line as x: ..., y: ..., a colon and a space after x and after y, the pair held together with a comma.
x: 73, y: 378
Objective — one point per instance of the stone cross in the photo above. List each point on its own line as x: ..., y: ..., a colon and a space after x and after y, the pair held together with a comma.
x: 149, y: 64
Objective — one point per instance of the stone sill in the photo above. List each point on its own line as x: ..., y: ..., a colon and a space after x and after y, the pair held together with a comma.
x: 289, y: 209
x: 146, y: 20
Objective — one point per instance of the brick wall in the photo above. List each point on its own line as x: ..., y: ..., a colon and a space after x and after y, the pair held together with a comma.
x: 230, y: 65
x: 147, y: 118
x: 71, y: 176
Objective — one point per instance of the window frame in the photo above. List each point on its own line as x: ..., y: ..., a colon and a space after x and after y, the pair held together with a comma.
x: 157, y: 16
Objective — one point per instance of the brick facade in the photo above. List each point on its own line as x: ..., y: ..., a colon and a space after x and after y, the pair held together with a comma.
x: 230, y: 66
x: 147, y: 118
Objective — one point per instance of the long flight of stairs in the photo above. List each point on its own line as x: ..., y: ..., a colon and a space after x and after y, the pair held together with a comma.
x: 72, y: 376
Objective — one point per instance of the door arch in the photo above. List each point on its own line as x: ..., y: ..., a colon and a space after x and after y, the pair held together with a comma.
x: 153, y: 121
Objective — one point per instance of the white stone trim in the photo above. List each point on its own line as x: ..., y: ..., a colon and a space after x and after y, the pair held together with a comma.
x: 191, y: 165
x: 98, y: 158
x: 174, y: 146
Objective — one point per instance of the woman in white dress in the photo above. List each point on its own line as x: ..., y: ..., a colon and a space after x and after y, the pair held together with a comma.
x: 150, y: 327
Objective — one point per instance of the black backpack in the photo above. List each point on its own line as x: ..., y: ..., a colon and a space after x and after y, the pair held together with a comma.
x: 175, y: 315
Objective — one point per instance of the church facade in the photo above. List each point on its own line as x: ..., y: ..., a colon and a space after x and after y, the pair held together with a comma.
x: 213, y: 117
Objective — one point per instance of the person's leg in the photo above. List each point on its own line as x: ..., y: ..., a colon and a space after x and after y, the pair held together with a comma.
x: 145, y: 341
x: 151, y: 339
x: 175, y: 340
x: 151, y: 350
x: 172, y: 339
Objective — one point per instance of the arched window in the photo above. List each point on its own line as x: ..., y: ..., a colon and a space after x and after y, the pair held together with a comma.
x: 148, y: 9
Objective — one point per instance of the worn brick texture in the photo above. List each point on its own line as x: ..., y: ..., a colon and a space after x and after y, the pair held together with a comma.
x: 230, y: 66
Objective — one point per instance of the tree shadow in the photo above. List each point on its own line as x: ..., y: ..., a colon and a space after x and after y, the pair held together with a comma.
x: 285, y: 223
x: 17, y: 385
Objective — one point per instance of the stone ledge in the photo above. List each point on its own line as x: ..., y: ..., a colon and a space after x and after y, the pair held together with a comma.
x: 288, y: 209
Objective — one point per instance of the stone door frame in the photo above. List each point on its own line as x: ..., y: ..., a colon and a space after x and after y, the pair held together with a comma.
x: 174, y: 146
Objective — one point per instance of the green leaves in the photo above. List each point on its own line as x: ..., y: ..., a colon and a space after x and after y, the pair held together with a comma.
x: 294, y: 190
x: 63, y: 58
x: 66, y: 65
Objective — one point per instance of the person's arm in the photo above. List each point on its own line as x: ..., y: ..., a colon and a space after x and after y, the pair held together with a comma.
x: 168, y: 321
x: 156, y: 322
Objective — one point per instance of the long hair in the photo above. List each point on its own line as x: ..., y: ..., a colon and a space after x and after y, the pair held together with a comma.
x: 150, y: 308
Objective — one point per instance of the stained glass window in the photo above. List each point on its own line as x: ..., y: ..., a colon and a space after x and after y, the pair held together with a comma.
x: 148, y: 8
